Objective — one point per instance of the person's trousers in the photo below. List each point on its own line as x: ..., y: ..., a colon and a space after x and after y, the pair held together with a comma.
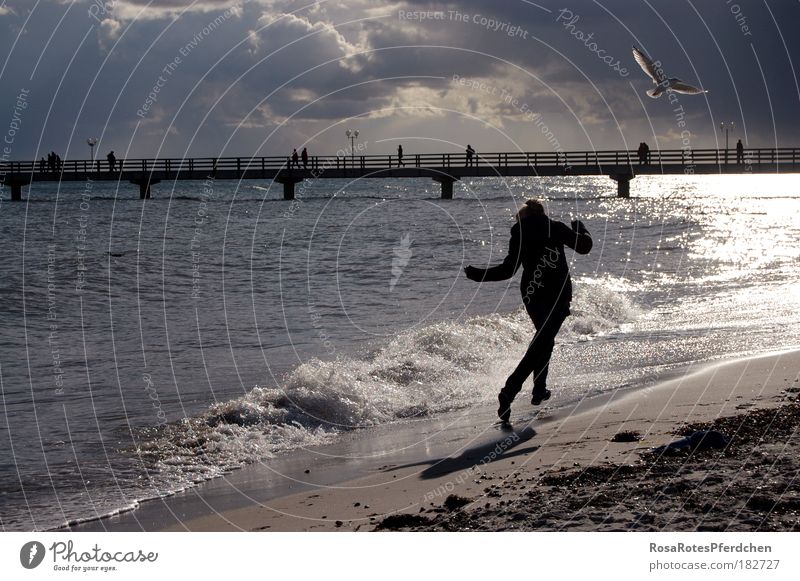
x: 547, y: 319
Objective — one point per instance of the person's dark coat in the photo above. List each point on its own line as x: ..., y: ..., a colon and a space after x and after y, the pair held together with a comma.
x: 537, y: 243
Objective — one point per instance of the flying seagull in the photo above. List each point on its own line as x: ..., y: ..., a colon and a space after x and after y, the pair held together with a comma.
x: 655, y: 72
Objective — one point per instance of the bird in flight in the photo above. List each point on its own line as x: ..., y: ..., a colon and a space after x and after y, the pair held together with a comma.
x: 655, y: 72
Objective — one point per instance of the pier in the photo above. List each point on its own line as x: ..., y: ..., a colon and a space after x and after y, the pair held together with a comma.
x: 621, y: 166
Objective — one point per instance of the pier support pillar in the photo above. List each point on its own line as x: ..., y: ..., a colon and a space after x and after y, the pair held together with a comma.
x: 288, y: 186
x: 447, y: 186
x: 16, y: 188
x: 144, y: 186
x: 623, y: 184
x: 16, y: 191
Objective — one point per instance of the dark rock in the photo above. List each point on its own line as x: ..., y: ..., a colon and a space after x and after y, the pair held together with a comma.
x: 403, y: 521
x: 760, y: 503
x: 698, y: 440
x: 454, y: 502
x: 626, y: 437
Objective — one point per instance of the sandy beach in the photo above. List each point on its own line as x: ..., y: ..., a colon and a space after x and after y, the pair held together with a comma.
x: 590, y: 468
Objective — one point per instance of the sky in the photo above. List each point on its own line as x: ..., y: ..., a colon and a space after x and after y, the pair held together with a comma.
x: 179, y: 78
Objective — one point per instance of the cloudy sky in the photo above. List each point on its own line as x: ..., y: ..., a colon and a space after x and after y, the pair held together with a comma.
x: 259, y: 77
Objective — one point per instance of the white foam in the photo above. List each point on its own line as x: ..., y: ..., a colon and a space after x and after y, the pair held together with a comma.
x: 599, y: 307
x: 433, y: 369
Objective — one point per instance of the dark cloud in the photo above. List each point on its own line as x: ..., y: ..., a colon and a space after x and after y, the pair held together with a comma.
x: 270, y: 73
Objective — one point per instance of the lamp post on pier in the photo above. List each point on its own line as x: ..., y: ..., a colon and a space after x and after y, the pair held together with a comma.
x: 92, y: 141
x: 352, y: 136
x: 726, y: 126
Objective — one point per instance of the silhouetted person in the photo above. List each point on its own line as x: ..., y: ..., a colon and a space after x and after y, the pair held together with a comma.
x: 51, y: 161
x: 470, y: 155
x: 304, y: 157
x: 642, y: 152
x: 400, y: 155
x: 739, y: 152
x: 646, y: 153
x: 59, y: 162
x: 295, y: 158
x: 42, y: 164
x: 537, y: 243
x: 112, y: 160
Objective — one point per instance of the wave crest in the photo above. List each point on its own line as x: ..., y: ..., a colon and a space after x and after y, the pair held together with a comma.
x: 432, y: 369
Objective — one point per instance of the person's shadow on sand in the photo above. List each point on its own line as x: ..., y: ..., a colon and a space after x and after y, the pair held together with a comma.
x: 503, y: 448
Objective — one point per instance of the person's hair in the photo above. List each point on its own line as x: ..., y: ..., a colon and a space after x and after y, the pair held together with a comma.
x: 529, y: 208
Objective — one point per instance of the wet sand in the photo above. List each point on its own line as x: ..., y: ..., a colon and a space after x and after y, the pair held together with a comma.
x: 564, y: 470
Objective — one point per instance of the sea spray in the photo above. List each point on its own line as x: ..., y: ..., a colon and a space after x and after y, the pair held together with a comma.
x: 597, y: 309
x: 433, y: 369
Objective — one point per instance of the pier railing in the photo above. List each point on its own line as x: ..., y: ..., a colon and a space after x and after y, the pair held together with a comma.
x: 210, y: 165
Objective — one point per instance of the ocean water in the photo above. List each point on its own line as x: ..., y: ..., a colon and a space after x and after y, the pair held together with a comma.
x: 146, y: 347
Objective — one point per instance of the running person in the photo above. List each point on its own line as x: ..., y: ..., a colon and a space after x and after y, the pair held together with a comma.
x: 537, y: 243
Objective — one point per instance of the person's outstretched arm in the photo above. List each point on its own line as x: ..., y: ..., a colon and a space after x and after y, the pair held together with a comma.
x: 505, y: 269
x: 577, y: 238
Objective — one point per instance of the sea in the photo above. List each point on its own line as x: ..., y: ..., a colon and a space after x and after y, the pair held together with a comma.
x: 149, y: 346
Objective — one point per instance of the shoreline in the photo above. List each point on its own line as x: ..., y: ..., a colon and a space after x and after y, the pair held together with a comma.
x: 491, y: 473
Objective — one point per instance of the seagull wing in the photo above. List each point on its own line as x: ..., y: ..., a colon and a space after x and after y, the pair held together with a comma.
x: 648, y: 66
x: 681, y: 87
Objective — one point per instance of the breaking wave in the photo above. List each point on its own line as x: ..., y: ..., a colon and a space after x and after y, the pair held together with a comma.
x: 441, y: 367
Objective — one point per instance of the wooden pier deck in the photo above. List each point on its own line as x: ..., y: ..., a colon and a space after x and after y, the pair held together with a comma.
x: 446, y: 168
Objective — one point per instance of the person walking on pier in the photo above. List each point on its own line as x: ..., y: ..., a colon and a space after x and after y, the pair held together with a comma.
x: 739, y: 152
x: 304, y: 157
x: 400, y: 156
x: 537, y: 243
x: 51, y: 161
x: 112, y: 161
x: 42, y: 164
x: 295, y: 159
x: 470, y: 155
